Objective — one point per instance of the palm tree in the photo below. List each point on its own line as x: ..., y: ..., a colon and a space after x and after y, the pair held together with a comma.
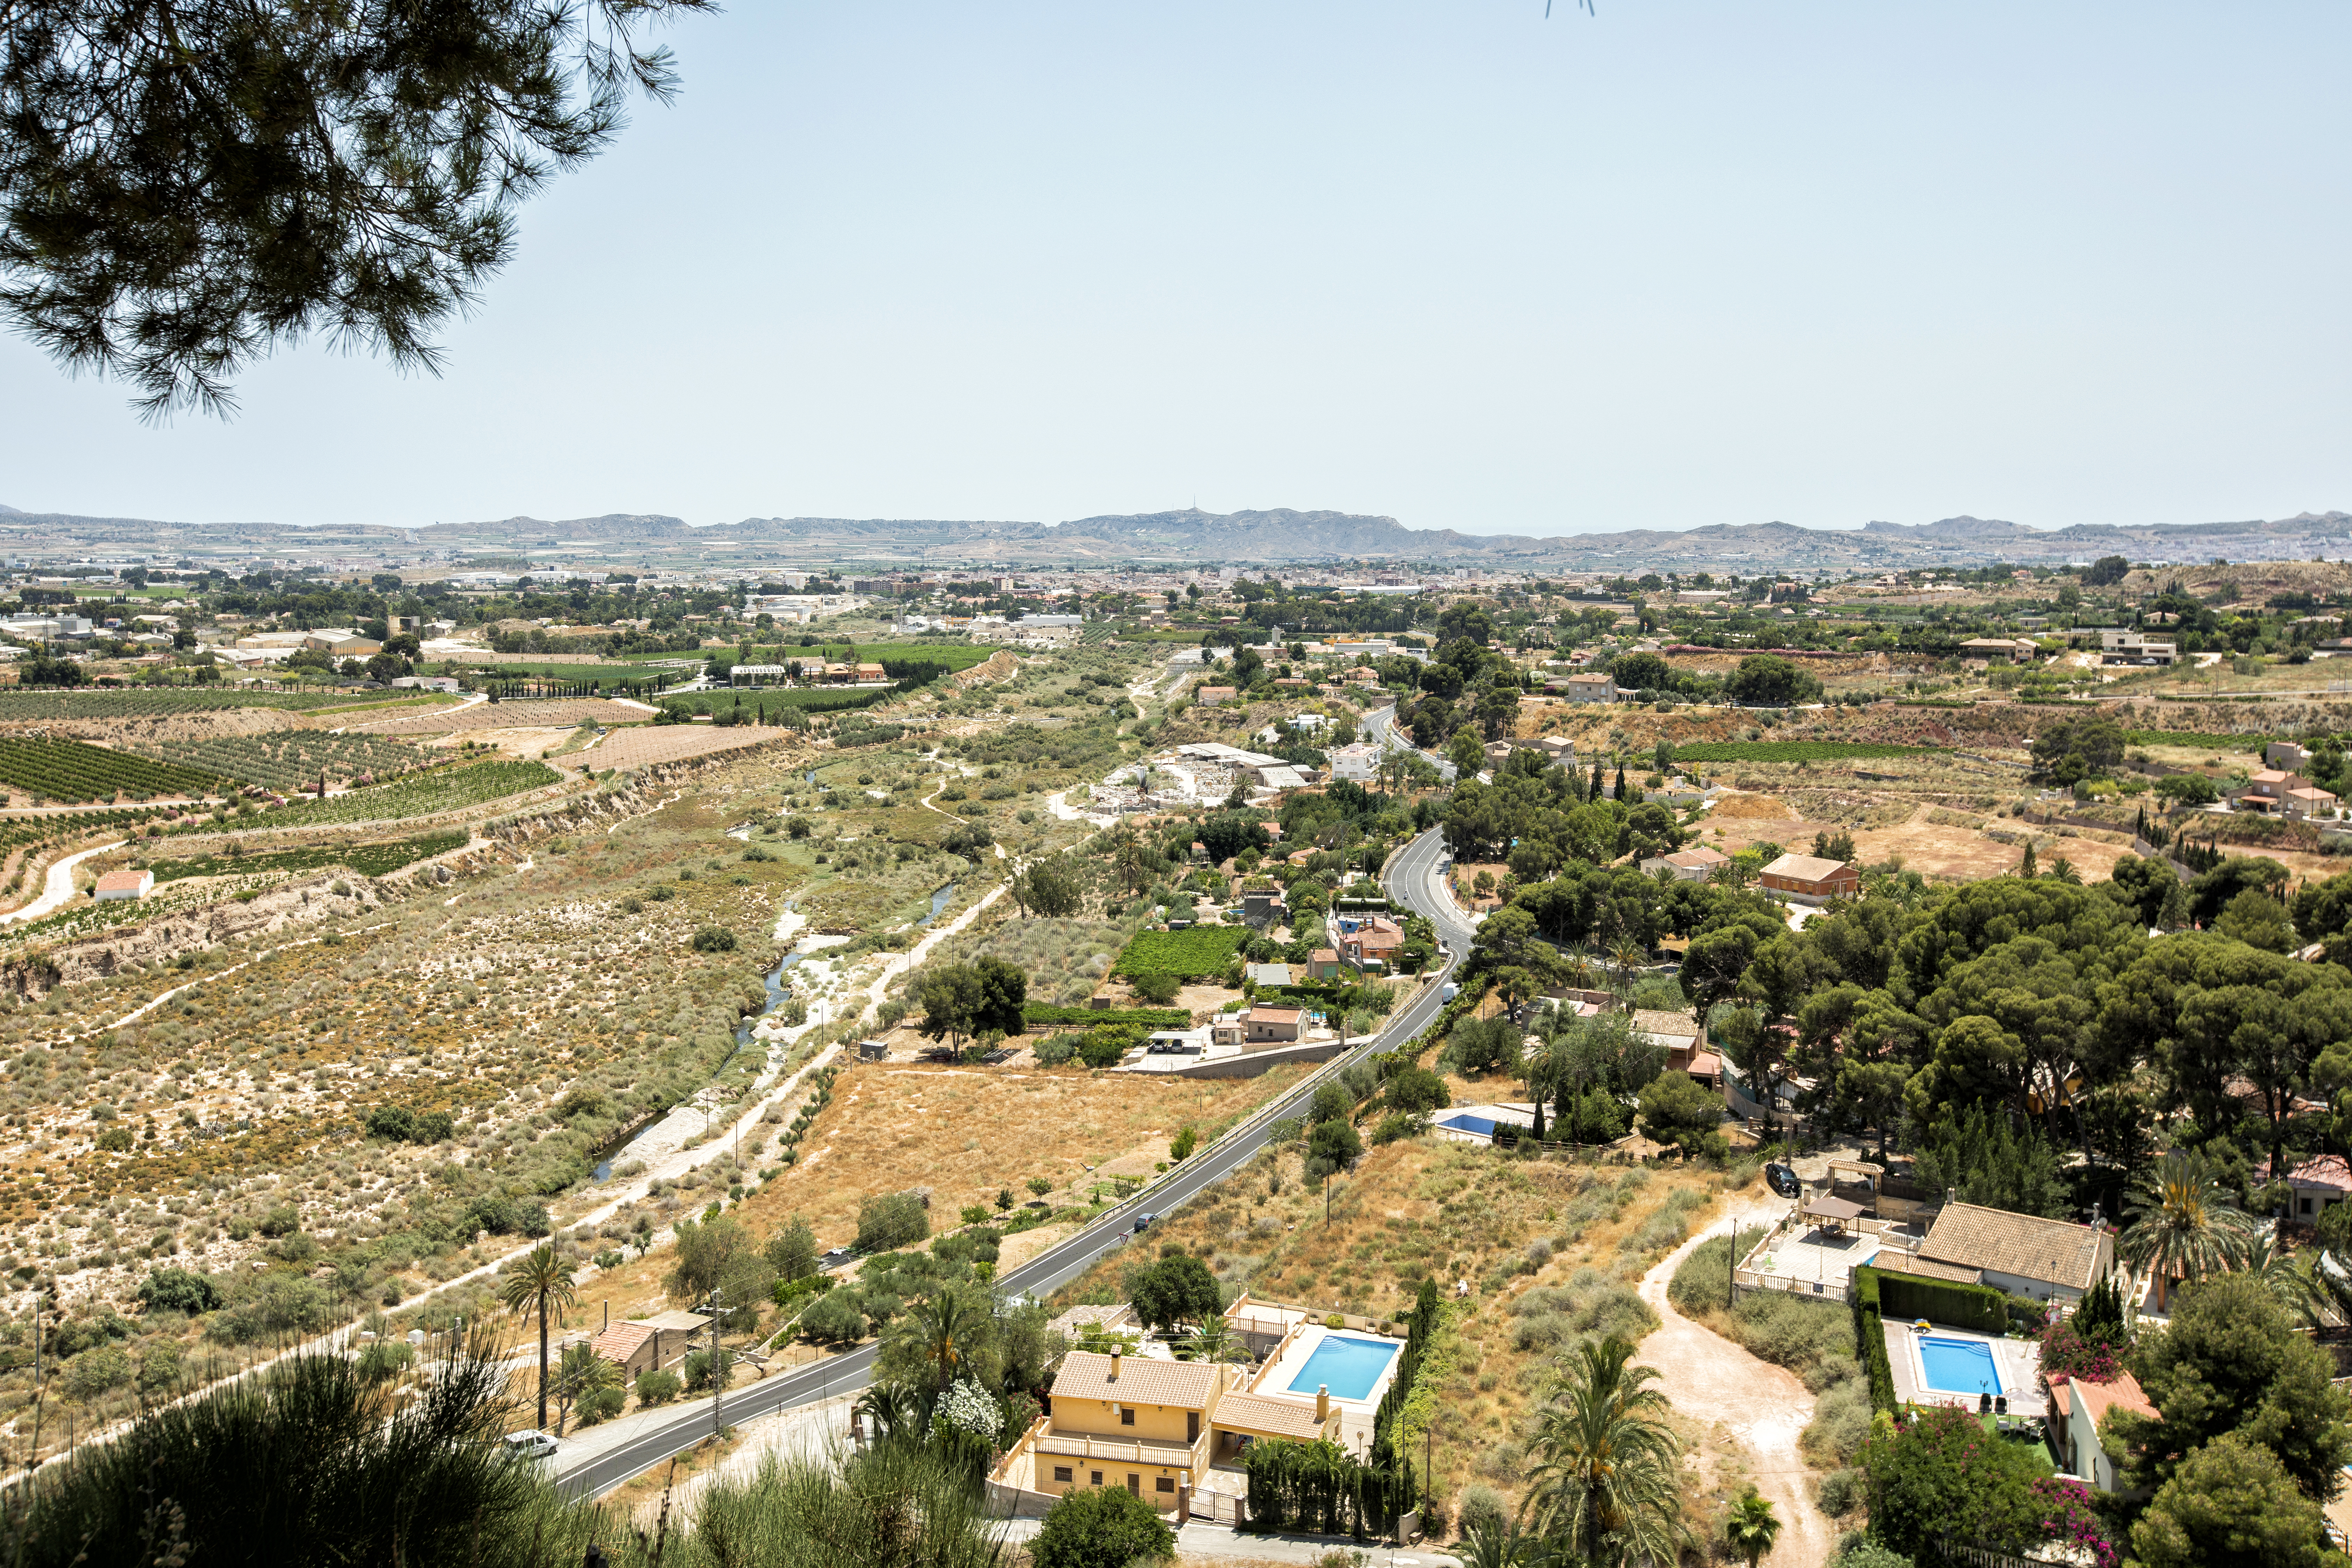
x: 580, y: 1374
x: 2179, y: 1225
x: 539, y: 1283
x: 1213, y: 1340
x: 943, y: 1332
x: 1752, y: 1528
x: 1496, y: 1544
x: 1627, y: 955
x: 1604, y: 1488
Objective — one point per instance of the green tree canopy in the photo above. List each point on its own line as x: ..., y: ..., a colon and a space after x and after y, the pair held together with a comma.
x: 181, y: 191
x: 2230, y: 1361
x: 2231, y: 1500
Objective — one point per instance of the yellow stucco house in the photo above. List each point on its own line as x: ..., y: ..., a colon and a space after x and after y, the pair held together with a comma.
x: 1159, y: 1428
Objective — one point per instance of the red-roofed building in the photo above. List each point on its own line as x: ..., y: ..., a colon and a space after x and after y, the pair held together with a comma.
x: 2076, y: 1407
x: 2317, y: 1183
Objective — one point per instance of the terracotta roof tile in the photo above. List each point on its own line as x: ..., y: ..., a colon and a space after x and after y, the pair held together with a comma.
x: 1263, y: 1417
x: 1186, y: 1384
x: 2055, y: 1250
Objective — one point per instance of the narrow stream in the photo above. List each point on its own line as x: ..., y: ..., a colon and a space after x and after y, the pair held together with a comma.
x: 939, y: 902
x: 777, y: 992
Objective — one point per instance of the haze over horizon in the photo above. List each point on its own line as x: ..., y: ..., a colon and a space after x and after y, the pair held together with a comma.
x: 1662, y: 268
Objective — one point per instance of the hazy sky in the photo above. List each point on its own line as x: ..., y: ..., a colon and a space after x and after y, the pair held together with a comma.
x: 1452, y: 262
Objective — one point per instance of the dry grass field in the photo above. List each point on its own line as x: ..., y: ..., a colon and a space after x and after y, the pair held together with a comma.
x: 967, y: 1134
x: 1550, y: 1251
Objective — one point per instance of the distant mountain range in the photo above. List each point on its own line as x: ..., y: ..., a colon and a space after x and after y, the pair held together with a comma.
x: 1277, y: 538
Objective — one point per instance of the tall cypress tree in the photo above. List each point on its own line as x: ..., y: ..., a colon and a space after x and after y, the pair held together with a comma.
x: 1621, y: 782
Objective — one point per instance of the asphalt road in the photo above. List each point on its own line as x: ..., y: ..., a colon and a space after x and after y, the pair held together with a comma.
x: 1410, y: 879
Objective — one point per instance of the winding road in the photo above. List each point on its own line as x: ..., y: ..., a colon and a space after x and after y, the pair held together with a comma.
x: 1408, y: 878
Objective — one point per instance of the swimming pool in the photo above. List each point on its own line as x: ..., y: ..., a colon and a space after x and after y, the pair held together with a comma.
x: 1477, y: 1124
x: 1346, y: 1365
x: 1959, y: 1366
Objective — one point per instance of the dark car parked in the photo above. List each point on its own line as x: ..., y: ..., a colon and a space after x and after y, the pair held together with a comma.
x: 1784, y: 1180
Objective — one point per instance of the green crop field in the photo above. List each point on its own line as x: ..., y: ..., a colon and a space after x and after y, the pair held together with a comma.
x: 367, y: 859
x: 1204, y: 949
x: 1795, y: 751
x: 428, y: 795
x: 153, y: 703
x: 287, y: 760
x: 70, y: 772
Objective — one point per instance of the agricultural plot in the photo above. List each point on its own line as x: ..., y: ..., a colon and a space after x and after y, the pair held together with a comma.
x: 528, y: 713
x: 71, y: 773
x: 1186, y: 954
x: 367, y: 859
x: 427, y: 797
x: 16, y: 707
x: 288, y: 760
x: 1795, y: 751
x: 644, y: 744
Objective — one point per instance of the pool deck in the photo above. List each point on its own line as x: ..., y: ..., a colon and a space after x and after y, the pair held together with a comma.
x: 1355, y: 1414
x: 2017, y: 1362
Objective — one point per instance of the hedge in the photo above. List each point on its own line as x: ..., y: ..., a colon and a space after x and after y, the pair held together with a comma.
x: 1038, y: 1015
x: 1909, y: 1297
x: 1870, y: 1338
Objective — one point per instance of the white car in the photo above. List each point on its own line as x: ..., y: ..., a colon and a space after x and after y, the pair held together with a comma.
x: 531, y: 1444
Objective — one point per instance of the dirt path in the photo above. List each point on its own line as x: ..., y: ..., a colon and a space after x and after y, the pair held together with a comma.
x: 59, y: 889
x: 1765, y: 1407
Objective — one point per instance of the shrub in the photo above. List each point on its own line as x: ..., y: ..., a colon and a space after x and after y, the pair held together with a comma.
x: 1184, y: 1142
x: 115, y: 1140
x: 1157, y: 988
x: 1101, y: 1525
x: 657, y: 1387
x: 714, y: 939
x: 1840, y: 1493
x: 1396, y: 1124
x: 178, y: 1291
x: 1482, y: 1508
x: 601, y: 1405
x: 834, y: 1320
x: 283, y: 1220
x: 401, y: 1125
x: 95, y: 1371
x: 890, y: 1220
x: 1055, y: 1049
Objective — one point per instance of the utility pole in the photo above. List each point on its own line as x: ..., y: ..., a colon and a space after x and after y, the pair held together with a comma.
x: 1731, y: 1275
x: 718, y: 1375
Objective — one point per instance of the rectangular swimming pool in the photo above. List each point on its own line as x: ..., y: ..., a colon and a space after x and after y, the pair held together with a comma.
x: 1346, y: 1365
x: 1477, y: 1124
x: 1959, y: 1366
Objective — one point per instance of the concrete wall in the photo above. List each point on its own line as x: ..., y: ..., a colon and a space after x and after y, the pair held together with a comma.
x: 1251, y: 1063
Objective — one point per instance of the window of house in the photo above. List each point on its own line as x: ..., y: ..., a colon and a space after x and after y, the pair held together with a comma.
x: 1126, y: 1415
x: 2306, y: 1206
x: 1062, y: 1472
x: 1167, y: 1483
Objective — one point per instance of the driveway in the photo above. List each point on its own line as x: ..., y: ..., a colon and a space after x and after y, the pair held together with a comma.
x: 1766, y: 1406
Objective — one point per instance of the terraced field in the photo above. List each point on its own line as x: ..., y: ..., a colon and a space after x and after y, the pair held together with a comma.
x: 288, y: 760
x: 70, y: 772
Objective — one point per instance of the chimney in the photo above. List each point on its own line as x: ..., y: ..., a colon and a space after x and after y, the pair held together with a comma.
x: 1322, y: 1402
x: 1114, y: 1366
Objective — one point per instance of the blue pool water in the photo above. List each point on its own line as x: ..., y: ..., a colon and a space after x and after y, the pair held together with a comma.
x: 1959, y: 1366
x: 1346, y: 1365
x: 1478, y: 1124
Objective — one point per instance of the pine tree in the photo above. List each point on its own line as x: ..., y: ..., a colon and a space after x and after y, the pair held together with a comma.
x: 2025, y: 868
